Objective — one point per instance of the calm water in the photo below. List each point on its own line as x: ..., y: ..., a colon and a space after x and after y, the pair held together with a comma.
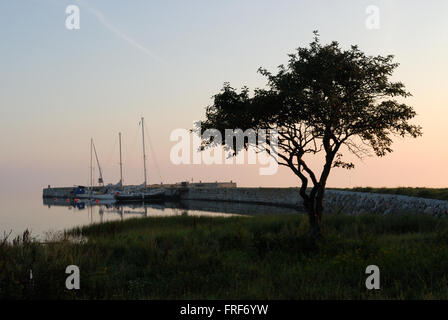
x: 19, y: 212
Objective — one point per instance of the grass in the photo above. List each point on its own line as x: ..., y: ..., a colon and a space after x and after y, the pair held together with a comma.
x: 261, y: 257
x: 430, y: 193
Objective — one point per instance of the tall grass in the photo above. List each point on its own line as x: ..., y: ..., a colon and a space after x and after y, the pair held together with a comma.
x: 261, y: 257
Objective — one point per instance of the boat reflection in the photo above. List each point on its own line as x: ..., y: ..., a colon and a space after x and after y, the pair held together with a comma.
x: 121, y: 210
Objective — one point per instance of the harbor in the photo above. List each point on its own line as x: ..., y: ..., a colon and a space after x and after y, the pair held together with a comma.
x: 338, y: 201
x: 217, y: 191
x: 185, y: 191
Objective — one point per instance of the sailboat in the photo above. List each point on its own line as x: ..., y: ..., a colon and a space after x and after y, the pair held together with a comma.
x: 142, y: 194
x: 105, y: 194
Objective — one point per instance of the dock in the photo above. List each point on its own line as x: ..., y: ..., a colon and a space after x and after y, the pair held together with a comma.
x: 207, y: 191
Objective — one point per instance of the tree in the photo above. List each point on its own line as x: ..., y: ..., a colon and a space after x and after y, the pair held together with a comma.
x: 324, y: 101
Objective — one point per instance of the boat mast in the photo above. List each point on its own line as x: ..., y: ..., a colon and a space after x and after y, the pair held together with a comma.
x: 91, y: 165
x: 121, y: 163
x: 144, y: 153
x: 100, y: 179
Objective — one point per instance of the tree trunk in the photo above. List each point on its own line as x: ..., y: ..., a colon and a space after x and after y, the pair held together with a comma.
x: 314, y: 210
x: 315, y: 231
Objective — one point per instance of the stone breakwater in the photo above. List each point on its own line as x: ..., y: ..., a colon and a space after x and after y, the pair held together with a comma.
x: 350, y: 202
x: 336, y: 201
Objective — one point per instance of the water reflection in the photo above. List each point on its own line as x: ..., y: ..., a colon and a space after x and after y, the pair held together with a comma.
x: 104, y: 210
x: 20, y: 211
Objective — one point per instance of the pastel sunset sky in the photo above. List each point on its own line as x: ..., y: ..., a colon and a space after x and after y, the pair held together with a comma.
x: 164, y: 60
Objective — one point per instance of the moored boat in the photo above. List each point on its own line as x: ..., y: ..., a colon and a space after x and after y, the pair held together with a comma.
x: 80, y: 192
x: 156, y: 195
x: 142, y: 194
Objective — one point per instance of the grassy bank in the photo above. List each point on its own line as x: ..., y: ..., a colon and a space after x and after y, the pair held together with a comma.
x: 262, y: 257
x: 430, y: 193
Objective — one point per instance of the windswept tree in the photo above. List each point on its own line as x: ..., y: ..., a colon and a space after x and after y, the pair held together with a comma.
x: 326, y: 101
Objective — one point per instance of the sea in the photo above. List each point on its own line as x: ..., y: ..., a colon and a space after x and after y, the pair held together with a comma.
x: 44, y: 218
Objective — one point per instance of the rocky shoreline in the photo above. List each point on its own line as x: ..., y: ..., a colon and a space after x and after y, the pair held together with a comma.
x: 350, y: 202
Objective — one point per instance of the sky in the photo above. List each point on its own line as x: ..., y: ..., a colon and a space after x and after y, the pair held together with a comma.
x: 164, y: 60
